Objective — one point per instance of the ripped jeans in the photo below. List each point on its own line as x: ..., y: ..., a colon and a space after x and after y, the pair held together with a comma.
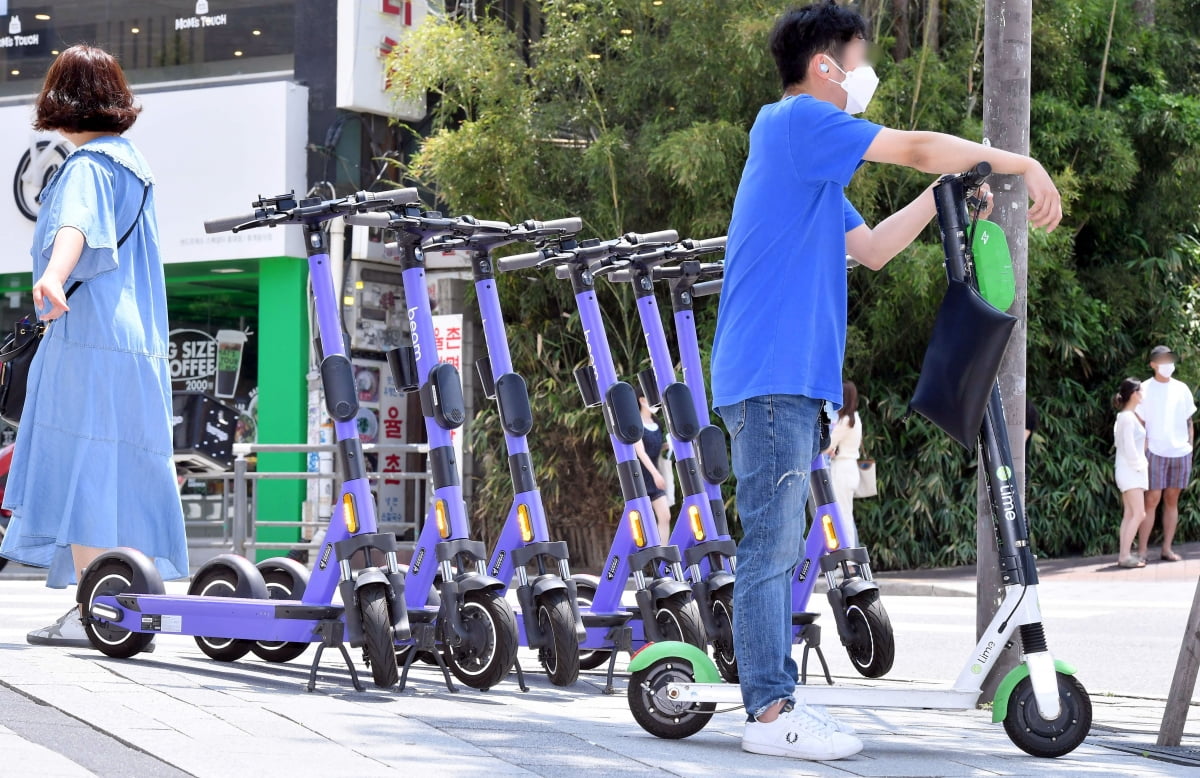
x: 774, y: 440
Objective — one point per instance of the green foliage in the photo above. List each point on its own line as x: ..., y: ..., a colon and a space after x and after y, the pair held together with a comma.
x: 635, y: 116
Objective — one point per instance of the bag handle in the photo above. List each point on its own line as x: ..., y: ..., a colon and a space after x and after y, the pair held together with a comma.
x: 125, y: 237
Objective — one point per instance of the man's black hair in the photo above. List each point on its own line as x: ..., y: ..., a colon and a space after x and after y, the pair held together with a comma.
x: 801, y: 33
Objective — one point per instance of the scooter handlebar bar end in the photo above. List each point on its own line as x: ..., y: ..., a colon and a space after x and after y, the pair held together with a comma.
x: 228, y: 223
x: 376, y: 219
x: 521, y: 261
x: 396, y: 197
x: 707, y: 288
x: 660, y: 237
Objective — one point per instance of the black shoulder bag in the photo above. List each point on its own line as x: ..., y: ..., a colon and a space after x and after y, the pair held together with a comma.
x: 16, y: 354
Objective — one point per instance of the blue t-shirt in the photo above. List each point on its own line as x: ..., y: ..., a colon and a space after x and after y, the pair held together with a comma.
x: 781, y: 325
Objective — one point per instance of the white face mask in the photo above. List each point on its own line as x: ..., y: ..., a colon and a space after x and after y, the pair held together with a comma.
x: 860, y: 86
x: 1165, y: 369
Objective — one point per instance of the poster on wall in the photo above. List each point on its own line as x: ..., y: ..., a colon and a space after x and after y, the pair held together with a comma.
x: 217, y: 363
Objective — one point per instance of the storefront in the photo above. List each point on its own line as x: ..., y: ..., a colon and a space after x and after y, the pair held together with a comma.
x: 223, y: 121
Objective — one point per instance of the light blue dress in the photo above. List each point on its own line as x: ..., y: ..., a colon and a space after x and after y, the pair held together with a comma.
x: 92, y: 464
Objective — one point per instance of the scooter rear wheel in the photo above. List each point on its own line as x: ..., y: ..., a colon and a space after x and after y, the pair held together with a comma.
x: 485, y: 656
x: 871, y: 644
x: 657, y: 713
x: 281, y: 585
x: 560, y: 655
x: 678, y: 618
x: 217, y: 580
x: 722, y: 642
x: 1035, y: 735
x: 585, y: 592
x: 111, y: 577
x: 378, y: 635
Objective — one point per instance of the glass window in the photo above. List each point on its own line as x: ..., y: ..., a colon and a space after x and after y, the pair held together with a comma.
x: 155, y: 40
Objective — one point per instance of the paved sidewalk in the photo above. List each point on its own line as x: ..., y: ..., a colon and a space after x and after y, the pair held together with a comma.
x: 177, y: 713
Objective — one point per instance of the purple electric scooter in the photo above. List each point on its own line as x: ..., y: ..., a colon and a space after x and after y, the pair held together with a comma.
x: 665, y: 608
x: 229, y: 608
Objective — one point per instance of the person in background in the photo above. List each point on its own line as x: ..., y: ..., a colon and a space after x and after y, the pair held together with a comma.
x: 1167, y: 409
x: 648, y: 449
x: 845, y: 444
x: 93, y: 468
x: 1132, y: 468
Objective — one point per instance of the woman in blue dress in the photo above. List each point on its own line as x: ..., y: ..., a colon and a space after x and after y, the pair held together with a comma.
x: 92, y: 468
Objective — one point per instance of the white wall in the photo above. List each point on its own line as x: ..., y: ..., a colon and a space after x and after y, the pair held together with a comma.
x: 212, y: 151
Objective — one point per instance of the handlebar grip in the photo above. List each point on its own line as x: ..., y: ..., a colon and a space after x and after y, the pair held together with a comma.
x: 709, y: 244
x: 571, y: 224
x: 620, y: 276
x: 975, y: 177
x: 376, y: 219
x: 226, y: 224
x: 522, y: 261
x: 406, y: 196
x: 562, y: 272
x: 707, y: 288
x: 662, y: 236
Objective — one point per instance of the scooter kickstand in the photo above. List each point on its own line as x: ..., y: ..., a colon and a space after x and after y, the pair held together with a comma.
x: 622, y: 638
x: 424, y: 641
x: 520, y: 674
x: 331, y: 631
x: 812, y: 642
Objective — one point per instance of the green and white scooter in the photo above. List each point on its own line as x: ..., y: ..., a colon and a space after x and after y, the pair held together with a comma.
x: 1046, y: 711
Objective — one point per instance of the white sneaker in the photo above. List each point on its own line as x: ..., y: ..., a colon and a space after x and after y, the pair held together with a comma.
x: 800, y: 735
x: 822, y: 715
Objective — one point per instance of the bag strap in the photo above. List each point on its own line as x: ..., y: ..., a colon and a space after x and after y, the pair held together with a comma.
x: 128, y: 232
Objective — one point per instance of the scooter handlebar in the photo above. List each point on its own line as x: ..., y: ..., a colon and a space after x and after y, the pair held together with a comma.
x: 396, y: 197
x: 707, y: 288
x: 227, y: 223
x: 660, y: 237
x: 974, y: 178
x: 523, y: 261
x: 375, y: 219
x: 569, y: 225
x: 705, y: 246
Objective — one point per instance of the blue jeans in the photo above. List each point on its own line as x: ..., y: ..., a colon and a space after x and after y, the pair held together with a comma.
x: 774, y: 440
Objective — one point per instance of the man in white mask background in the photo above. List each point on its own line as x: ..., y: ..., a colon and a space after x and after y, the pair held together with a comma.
x: 781, y: 327
x: 1167, y: 408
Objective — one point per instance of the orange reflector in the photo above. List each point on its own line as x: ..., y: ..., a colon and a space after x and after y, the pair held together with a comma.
x: 525, y: 523
x: 443, y: 524
x: 697, y: 525
x: 635, y: 526
x: 349, y: 513
x: 831, y: 538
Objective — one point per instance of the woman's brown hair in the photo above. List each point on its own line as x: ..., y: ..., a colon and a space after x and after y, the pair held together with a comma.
x: 85, y: 91
x: 849, y: 402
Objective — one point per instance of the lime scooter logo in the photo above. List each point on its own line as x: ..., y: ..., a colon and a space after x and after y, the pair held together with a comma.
x: 1004, y: 473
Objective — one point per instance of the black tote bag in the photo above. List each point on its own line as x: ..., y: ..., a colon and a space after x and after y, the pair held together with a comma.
x: 961, y: 362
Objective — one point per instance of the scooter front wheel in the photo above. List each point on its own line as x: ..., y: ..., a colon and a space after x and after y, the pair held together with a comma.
x: 484, y: 657
x: 378, y: 635
x: 111, y: 577
x: 655, y: 711
x: 1035, y: 735
x: 585, y: 591
x: 678, y: 618
x: 559, y: 655
x: 871, y: 643
x: 722, y: 642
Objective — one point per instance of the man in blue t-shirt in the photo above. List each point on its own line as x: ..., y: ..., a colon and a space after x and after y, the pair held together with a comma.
x: 781, y: 327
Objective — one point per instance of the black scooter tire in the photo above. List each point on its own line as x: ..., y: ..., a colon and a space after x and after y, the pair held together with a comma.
x: 560, y: 656
x: 871, y: 645
x: 218, y: 580
x: 722, y: 642
x: 657, y: 714
x: 1033, y: 734
x: 678, y: 618
x: 589, y: 659
x: 111, y: 577
x: 378, y: 635
x: 485, y: 657
x: 280, y: 587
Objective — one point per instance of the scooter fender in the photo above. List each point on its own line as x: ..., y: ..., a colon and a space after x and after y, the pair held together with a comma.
x: 1015, y: 675
x: 703, y: 668
x: 837, y: 603
x: 349, y: 593
x: 146, y: 578
x: 535, y: 636
x: 719, y: 580
x: 649, y: 598
x: 662, y: 588
x: 453, y: 593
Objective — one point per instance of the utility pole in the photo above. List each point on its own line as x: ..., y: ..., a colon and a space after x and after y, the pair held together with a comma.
x: 1006, y: 87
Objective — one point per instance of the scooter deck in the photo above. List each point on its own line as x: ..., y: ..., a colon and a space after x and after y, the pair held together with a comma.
x: 940, y: 698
